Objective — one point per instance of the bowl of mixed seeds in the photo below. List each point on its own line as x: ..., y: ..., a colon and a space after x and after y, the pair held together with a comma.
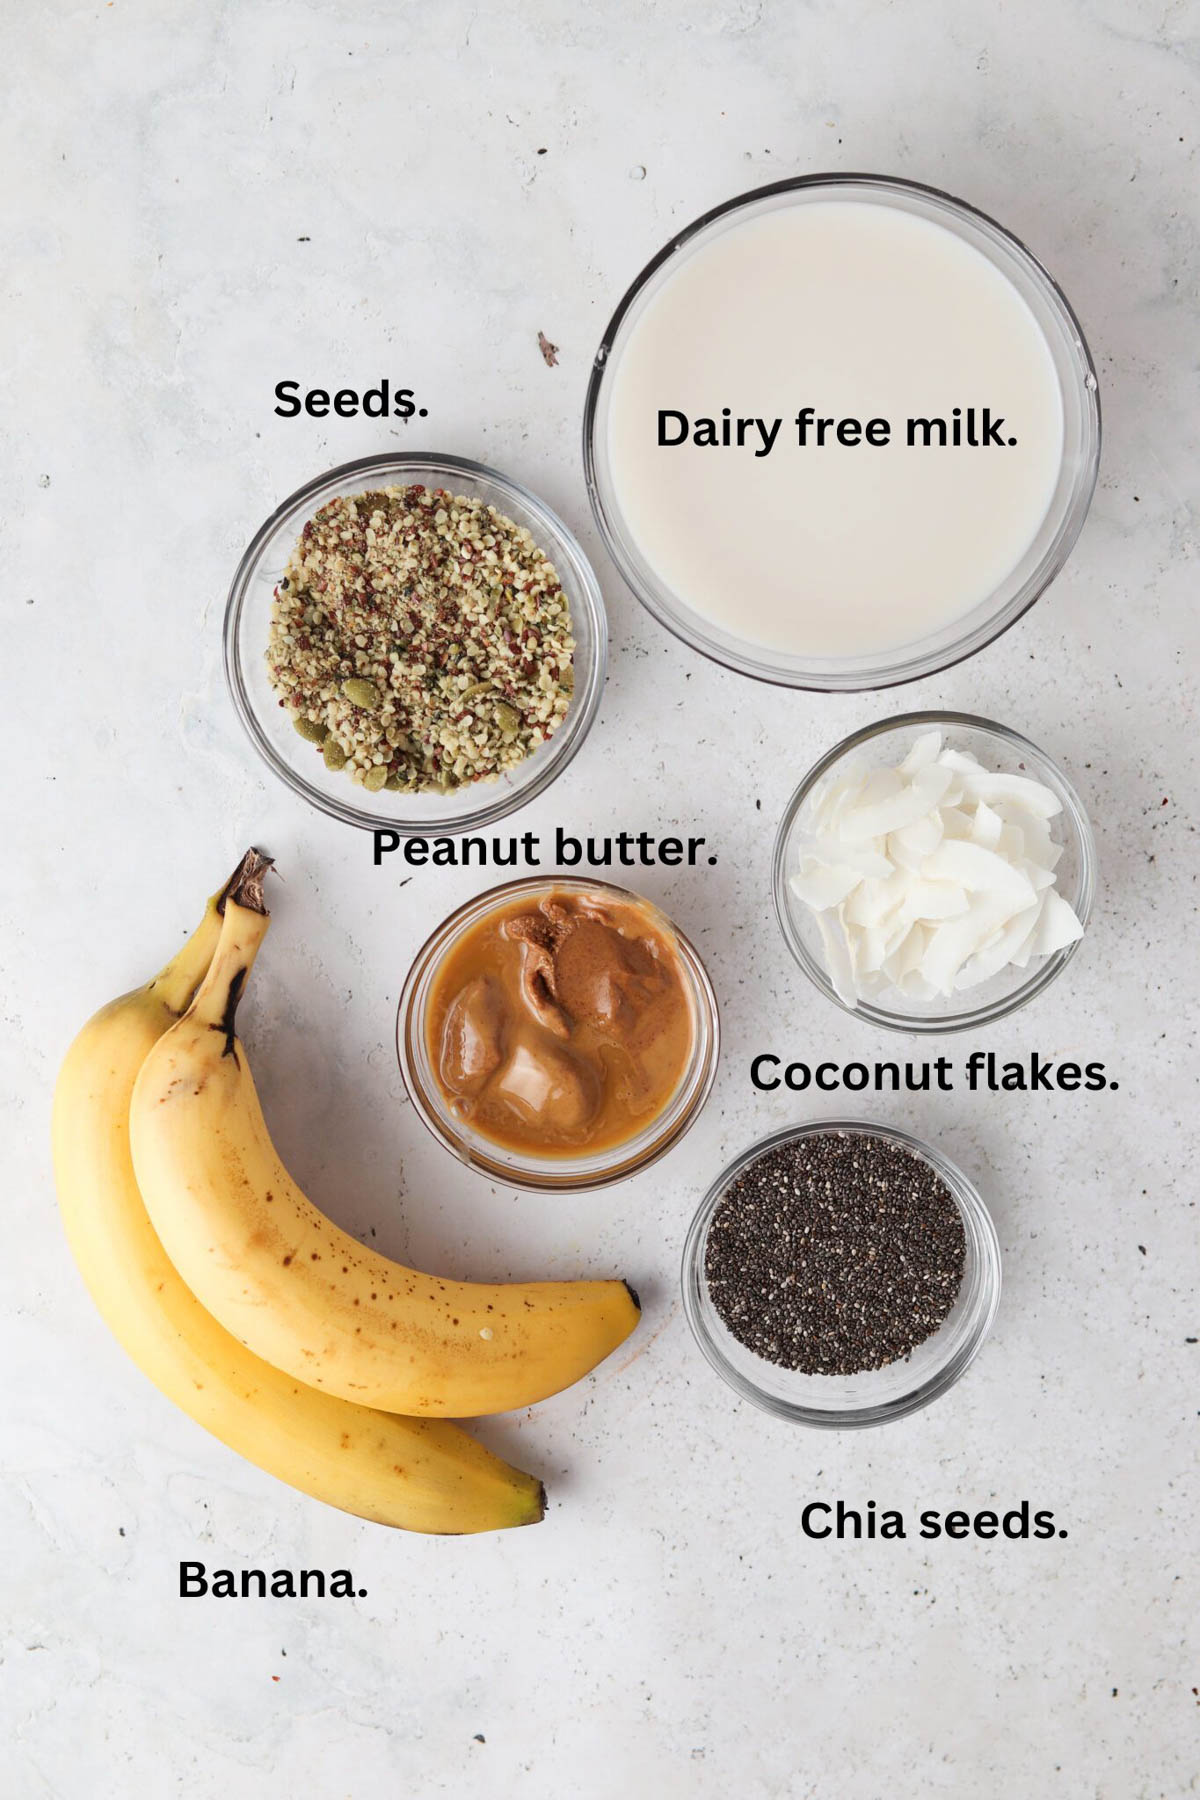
x: 415, y: 642
x: 841, y: 1274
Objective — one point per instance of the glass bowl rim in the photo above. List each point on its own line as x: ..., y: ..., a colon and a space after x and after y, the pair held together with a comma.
x: 980, y: 1231
x: 560, y: 1175
x: 1051, y: 966
x: 913, y: 668
x: 565, y: 742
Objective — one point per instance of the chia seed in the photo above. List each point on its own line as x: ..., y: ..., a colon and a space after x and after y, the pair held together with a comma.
x: 835, y: 1254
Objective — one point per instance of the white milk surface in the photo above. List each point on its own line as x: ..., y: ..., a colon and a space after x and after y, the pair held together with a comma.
x: 859, y: 311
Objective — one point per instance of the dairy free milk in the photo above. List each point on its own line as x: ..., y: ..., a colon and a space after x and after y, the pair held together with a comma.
x: 837, y: 310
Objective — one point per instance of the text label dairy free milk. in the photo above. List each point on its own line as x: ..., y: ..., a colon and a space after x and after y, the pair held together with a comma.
x: 970, y: 427
x: 797, y: 424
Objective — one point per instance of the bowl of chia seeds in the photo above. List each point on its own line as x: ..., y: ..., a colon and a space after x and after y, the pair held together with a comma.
x: 415, y: 642
x: 841, y: 1274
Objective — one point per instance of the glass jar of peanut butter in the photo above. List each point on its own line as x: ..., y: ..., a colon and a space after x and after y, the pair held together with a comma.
x: 557, y: 1032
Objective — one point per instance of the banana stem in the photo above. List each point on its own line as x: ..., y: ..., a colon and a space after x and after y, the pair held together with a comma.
x: 178, y: 980
x: 244, y: 925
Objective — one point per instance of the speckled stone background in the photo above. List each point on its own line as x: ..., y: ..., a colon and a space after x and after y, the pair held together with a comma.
x: 203, y: 201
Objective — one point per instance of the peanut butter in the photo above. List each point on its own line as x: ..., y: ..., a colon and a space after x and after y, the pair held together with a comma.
x: 561, y: 1024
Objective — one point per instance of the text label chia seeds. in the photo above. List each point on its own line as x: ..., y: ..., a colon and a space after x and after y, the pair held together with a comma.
x: 824, y: 1519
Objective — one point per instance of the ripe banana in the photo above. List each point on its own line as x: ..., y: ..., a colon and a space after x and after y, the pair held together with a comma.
x: 424, y: 1475
x: 293, y: 1287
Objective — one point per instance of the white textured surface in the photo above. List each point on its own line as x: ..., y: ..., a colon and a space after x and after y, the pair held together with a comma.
x: 204, y: 201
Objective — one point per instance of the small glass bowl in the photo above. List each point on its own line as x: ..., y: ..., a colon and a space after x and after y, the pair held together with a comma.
x: 554, y: 1172
x: 1056, y: 535
x: 996, y: 747
x: 269, y: 726
x: 878, y: 1395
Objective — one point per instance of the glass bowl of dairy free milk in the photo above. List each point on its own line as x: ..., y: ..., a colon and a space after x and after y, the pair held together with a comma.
x: 841, y: 432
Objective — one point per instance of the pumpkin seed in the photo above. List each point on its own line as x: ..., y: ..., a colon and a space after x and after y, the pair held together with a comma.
x: 361, y: 693
x: 316, y: 732
x: 507, y: 717
x: 375, y: 777
x: 335, y: 756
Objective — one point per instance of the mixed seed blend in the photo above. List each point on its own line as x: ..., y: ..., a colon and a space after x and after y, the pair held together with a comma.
x: 420, y: 640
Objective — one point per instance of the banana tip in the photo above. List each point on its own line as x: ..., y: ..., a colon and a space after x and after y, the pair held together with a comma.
x: 246, y: 882
x: 633, y: 1294
x: 246, y: 888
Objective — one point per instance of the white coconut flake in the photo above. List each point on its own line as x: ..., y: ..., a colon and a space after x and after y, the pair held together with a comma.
x: 983, y: 784
x: 926, y: 902
x: 907, y: 957
x: 909, y: 848
x: 957, y: 940
x: 822, y: 885
x: 924, y: 752
x: 865, y: 858
x: 874, y: 901
x: 1000, y: 952
x: 837, y: 957
x: 955, y: 822
x: 987, y: 827
x: 980, y: 871
x: 1056, y: 928
x: 892, y: 811
x: 1040, y: 846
